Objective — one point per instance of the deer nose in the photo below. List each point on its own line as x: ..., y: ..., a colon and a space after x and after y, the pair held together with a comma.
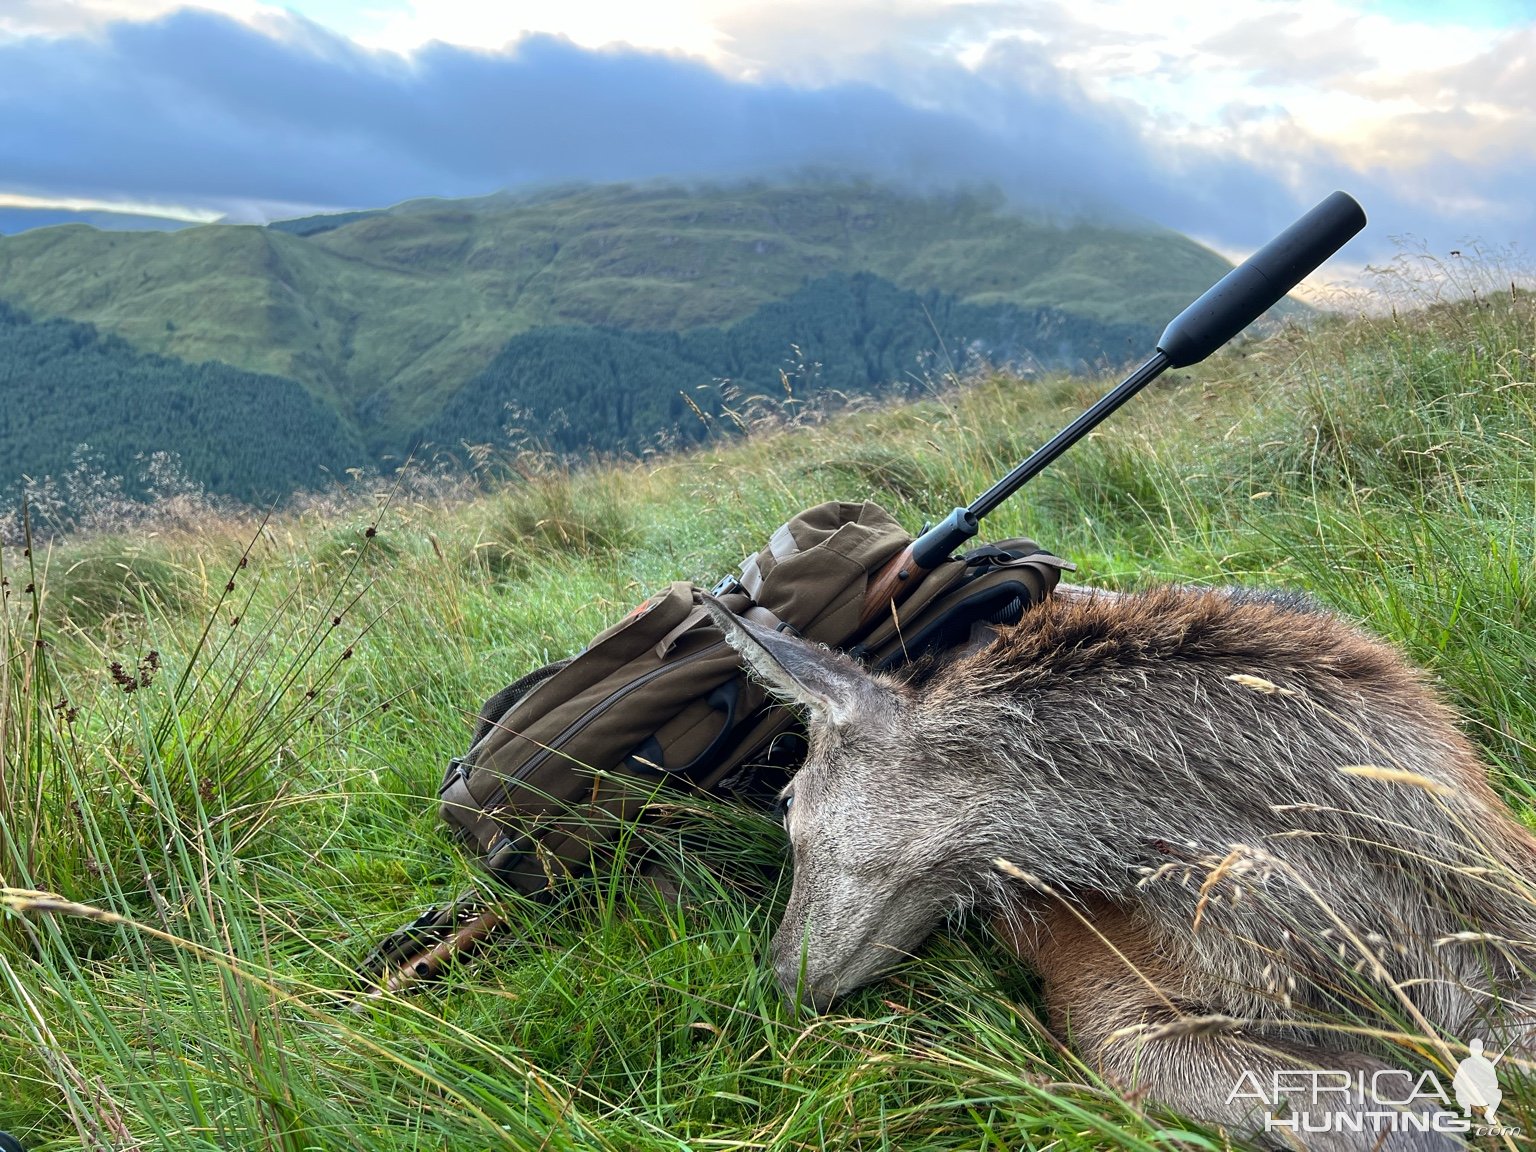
x: 798, y: 989
x: 818, y: 1000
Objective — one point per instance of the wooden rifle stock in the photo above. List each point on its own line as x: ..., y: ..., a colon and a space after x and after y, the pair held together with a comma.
x: 890, y: 585
x: 391, y: 977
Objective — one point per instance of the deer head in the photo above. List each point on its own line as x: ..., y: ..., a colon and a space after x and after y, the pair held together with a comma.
x: 876, y: 822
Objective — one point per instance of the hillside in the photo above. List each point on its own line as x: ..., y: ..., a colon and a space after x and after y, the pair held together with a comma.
x: 250, y: 436
x: 387, y: 317
x: 236, y: 786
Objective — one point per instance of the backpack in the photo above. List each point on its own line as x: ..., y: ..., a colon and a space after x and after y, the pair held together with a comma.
x: 661, y: 697
x: 564, y: 759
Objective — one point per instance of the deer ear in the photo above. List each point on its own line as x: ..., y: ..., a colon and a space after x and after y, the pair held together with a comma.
x: 830, y: 684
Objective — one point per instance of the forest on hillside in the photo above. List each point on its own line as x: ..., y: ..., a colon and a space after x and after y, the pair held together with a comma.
x: 585, y: 388
x: 241, y: 434
x: 570, y: 389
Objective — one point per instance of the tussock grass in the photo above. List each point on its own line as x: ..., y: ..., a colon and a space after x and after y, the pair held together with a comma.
x: 553, y: 516
x: 191, y: 867
x: 110, y: 576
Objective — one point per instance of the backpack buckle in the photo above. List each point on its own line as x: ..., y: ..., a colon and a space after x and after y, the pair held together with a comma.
x: 727, y: 586
x: 457, y: 771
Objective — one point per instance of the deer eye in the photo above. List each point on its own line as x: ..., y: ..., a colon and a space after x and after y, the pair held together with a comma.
x: 783, y: 808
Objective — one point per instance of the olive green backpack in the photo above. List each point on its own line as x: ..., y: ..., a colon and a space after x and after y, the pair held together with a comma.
x: 660, y: 696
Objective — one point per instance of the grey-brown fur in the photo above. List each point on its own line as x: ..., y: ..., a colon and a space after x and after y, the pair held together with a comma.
x: 1165, y: 770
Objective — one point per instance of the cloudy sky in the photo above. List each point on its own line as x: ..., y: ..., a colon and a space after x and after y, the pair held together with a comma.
x: 1221, y: 118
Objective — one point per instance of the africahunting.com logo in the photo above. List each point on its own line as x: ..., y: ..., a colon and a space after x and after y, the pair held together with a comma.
x: 1313, y: 1100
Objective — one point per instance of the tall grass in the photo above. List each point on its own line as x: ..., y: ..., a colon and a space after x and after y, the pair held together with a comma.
x: 220, y: 750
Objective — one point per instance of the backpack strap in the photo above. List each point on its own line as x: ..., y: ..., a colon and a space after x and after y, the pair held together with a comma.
x: 753, y: 612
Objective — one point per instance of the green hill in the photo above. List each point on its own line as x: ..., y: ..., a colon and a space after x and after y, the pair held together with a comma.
x: 387, y: 317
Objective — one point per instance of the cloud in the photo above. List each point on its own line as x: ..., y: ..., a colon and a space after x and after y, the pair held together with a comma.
x: 1282, y: 47
x: 199, y: 109
x: 1472, y: 109
x: 75, y: 17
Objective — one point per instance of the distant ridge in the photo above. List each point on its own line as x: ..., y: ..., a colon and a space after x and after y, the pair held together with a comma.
x: 17, y: 220
x: 314, y: 225
x: 581, y: 315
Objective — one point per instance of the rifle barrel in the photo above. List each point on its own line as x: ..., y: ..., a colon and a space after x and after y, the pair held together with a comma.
x: 1230, y: 305
x: 1045, y: 455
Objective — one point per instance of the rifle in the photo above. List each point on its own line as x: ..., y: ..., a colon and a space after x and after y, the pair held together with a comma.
x: 419, y: 950
x: 1235, y: 301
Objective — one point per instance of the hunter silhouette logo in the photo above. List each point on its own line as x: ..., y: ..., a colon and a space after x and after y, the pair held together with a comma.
x: 1477, y: 1084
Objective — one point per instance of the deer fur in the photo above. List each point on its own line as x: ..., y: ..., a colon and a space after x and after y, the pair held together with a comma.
x: 1212, y: 821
